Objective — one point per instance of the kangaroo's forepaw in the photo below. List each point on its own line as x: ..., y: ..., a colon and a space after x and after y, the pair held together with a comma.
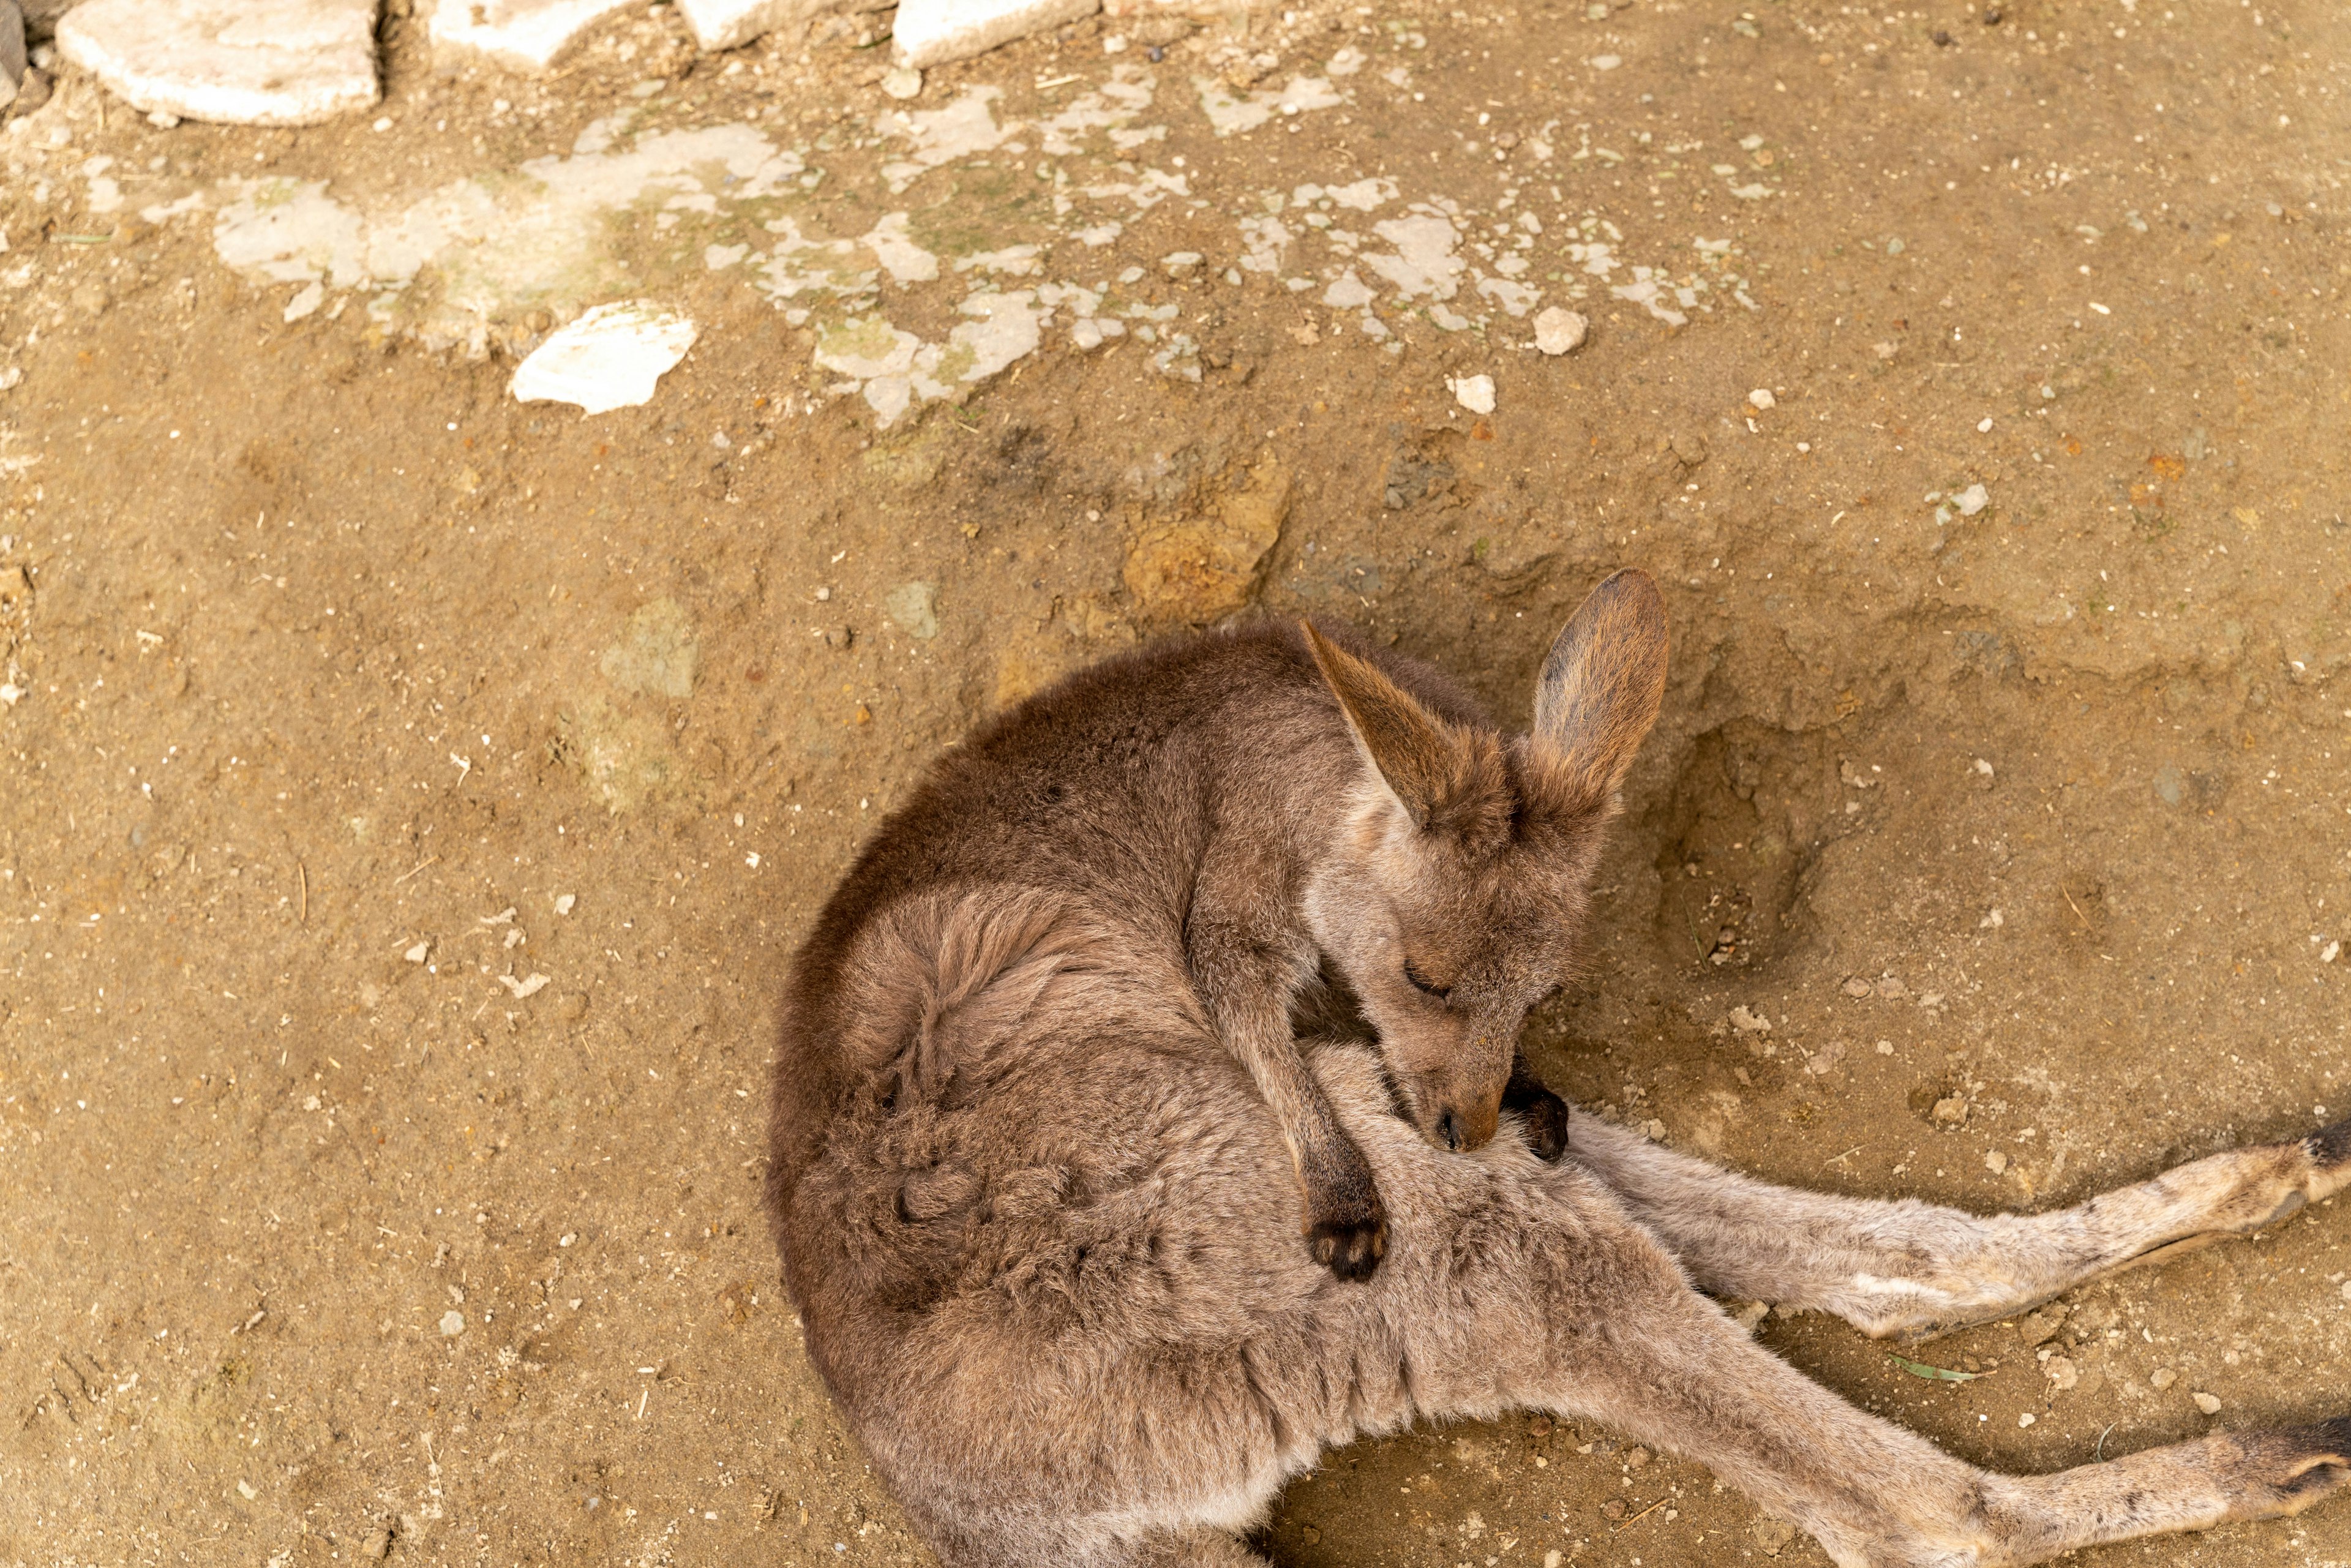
x: 1349, y: 1239
x: 1546, y: 1121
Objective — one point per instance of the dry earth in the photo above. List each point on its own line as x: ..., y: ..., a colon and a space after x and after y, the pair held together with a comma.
x: 352, y: 696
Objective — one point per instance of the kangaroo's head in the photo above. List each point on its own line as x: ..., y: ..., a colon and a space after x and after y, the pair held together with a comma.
x: 1457, y: 900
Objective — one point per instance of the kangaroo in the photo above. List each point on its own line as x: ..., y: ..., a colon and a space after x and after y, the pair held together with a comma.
x: 1306, y: 828
x: 1039, y: 1161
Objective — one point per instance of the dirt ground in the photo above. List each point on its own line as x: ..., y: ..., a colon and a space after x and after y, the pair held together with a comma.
x: 1992, y: 847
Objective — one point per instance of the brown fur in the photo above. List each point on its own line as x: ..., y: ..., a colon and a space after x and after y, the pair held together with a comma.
x: 1256, y: 808
x: 1034, y: 1205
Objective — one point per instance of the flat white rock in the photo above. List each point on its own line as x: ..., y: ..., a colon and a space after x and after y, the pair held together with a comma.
x: 520, y: 35
x: 231, y: 62
x: 932, y: 32
x: 1559, y: 330
x: 728, y: 24
x: 1475, y: 393
x: 12, y: 51
x: 609, y: 358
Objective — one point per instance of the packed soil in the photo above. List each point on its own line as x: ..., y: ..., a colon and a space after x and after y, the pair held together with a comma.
x: 412, y: 796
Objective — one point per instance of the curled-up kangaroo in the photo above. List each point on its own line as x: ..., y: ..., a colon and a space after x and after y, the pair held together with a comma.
x: 1227, y: 942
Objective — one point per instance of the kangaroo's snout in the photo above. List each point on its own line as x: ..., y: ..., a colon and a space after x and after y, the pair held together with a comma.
x: 1462, y: 1126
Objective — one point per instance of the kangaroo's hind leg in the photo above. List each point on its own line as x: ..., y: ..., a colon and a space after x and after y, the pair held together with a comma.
x: 1912, y: 1268
x: 1518, y: 1284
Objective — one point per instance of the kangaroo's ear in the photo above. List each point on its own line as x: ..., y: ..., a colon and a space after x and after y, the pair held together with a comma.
x: 1603, y: 684
x: 1423, y: 762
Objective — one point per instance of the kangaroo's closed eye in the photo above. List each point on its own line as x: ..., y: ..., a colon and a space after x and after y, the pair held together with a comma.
x: 1423, y: 984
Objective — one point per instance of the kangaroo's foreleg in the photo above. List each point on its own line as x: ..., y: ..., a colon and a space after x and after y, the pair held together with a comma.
x: 1916, y: 1268
x: 1247, y: 976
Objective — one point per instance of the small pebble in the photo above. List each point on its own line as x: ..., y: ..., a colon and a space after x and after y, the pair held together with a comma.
x: 2042, y: 1326
x: 1972, y: 500
x: 1951, y: 1109
x: 2027, y: 1419
x: 564, y: 902
x: 1560, y: 331
x: 1761, y: 398
x: 378, y: 1545
x: 417, y: 954
x: 163, y: 119
x: 1475, y: 393
x: 1996, y: 1163
x: 2163, y: 1377
x: 2209, y: 1404
x: 904, y: 82
x: 453, y: 1324
x: 1983, y: 426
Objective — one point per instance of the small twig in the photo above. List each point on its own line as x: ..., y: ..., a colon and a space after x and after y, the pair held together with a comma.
x: 2098, y: 1456
x: 403, y: 876
x: 2074, y: 907
x: 302, y: 874
x: 1846, y: 1155
x: 1640, y: 1516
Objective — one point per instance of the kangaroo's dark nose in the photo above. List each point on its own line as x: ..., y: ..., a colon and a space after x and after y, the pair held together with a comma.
x: 1448, y: 1127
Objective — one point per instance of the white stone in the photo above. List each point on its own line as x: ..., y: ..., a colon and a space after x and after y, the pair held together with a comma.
x: 12, y: 51
x: 932, y: 32
x: 1762, y: 399
x: 610, y: 358
x: 1560, y: 331
x: 453, y: 1324
x: 728, y: 24
x: 233, y: 62
x: 903, y: 83
x: 1475, y: 393
x: 1973, y: 499
x: 520, y: 35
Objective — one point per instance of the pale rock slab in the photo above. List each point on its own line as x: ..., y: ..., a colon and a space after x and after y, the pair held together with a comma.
x: 231, y: 62
x: 519, y: 35
x: 610, y: 358
x: 12, y: 51
x: 932, y: 32
x: 729, y: 23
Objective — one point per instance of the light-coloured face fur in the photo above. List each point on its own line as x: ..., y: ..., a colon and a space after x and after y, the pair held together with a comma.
x: 1446, y: 942
x: 1457, y: 895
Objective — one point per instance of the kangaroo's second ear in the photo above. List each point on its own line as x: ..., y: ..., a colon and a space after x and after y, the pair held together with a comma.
x: 1604, y: 682
x: 1410, y: 746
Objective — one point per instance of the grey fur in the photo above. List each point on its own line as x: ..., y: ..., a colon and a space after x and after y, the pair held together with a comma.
x: 1040, y: 1212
